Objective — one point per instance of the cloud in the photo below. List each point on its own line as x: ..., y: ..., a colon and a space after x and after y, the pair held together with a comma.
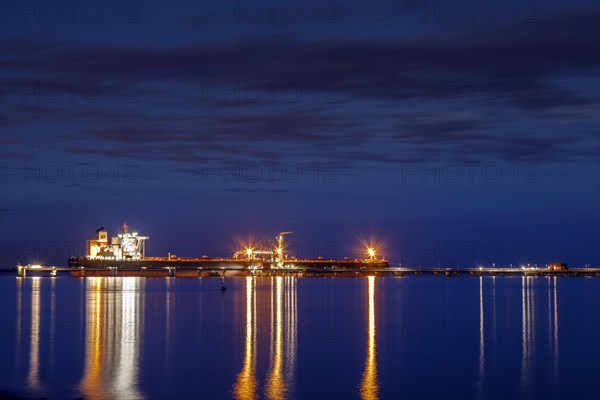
x: 430, y: 92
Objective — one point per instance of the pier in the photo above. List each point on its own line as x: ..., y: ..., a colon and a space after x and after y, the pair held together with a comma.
x: 171, y: 271
x: 440, y: 272
x: 22, y: 269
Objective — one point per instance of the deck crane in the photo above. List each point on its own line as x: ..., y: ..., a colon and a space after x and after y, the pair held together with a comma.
x: 280, y: 256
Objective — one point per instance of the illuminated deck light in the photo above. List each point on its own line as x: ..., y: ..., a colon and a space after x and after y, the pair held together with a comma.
x: 371, y: 252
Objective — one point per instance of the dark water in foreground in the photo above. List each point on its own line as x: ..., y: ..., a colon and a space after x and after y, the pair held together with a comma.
x: 286, y: 337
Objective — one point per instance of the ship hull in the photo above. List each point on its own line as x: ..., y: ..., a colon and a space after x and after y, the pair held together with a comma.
x: 204, y: 267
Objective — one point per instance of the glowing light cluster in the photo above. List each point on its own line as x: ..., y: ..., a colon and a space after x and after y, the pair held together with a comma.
x: 371, y: 252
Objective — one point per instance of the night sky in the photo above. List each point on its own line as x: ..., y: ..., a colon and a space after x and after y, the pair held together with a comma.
x: 446, y: 133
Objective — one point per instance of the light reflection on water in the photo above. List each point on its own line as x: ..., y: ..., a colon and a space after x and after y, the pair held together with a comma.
x: 554, y: 324
x: 527, y: 331
x: 276, y: 386
x: 33, y: 379
x: 18, y: 322
x: 245, y: 387
x: 282, y: 346
x: 481, y: 341
x: 125, y: 321
x: 113, y: 310
x: 369, y: 386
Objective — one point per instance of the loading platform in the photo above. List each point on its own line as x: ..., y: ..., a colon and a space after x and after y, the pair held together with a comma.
x: 170, y: 271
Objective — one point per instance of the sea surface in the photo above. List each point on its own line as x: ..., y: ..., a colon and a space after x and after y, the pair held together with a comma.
x: 309, y: 338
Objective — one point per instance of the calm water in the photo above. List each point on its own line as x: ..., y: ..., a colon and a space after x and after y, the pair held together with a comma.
x: 286, y: 337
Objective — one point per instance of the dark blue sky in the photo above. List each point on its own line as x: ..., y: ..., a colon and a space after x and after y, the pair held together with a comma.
x: 449, y: 133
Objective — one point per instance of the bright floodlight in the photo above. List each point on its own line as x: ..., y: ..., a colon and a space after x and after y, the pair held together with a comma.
x: 249, y: 252
x: 371, y: 252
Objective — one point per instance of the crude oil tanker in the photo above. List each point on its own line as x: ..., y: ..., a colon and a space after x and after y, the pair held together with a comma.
x: 125, y: 255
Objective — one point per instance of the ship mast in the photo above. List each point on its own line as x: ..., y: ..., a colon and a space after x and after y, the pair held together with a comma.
x: 279, y: 250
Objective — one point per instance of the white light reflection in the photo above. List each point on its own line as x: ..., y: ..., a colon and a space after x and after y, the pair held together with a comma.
x: 126, y: 379
x: 112, y: 338
x: 290, y: 329
x: 33, y: 379
x: 554, y: 326
x: 527, y: 330
x: 275, y: 384
x: 169, y: 294
x: 280, y: 378
x: 52, y: 318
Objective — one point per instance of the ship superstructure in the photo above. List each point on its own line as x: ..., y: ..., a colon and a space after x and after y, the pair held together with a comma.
x: 125, y: 246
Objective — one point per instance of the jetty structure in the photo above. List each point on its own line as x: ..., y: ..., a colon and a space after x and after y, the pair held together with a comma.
x: 125, y: 255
